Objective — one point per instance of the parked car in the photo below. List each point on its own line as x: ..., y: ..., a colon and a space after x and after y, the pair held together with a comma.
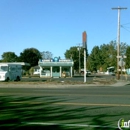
x: 87, y: 72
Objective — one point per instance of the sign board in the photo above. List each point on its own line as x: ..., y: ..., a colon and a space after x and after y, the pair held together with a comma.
x: 84, y: 40
x: 121, y: 56
x: 121, y: 63
x: 118, y: 56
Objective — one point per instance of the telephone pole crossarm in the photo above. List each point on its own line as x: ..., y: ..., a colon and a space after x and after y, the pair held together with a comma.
x: 119, y: 8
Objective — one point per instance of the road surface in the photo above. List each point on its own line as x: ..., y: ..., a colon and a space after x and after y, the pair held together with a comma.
x: 89, y: 108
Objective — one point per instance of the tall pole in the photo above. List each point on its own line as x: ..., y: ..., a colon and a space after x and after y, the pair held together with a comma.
x: 79, y: 60
x: 79, y: 57
x: 84, y: 65
x: 84, y: 47
x: 118, y: 39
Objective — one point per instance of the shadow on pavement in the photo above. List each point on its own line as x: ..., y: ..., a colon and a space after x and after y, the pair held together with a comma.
x: 25, y: 113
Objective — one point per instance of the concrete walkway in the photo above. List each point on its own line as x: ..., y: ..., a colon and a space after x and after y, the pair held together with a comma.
x: 120, y: 83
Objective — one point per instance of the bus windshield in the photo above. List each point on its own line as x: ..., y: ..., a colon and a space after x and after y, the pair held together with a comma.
x: 3, y: 68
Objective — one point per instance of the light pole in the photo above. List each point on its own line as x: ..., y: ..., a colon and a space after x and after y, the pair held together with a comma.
x: 79, y: 57
x: 84, y: 36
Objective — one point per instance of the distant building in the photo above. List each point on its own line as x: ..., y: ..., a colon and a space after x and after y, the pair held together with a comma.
x: 36, y: 70
x: 55, y: 67
x: 21, y: 63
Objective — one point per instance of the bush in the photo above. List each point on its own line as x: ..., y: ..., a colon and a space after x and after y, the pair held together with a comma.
x: 31, y: 71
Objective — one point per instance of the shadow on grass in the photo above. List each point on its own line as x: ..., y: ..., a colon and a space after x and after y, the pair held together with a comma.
x: 26, y: 112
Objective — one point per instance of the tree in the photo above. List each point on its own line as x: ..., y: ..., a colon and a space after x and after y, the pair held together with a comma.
x: 73, y: 53
x: 94, y: 59
x: 112, y: 60
x: 46, y: 55
x: 105, y: 56
x: 30, y: 55
x: 128, y: 57
x: 108, y: 55
x: 123, y: 48
x: 9, y: 57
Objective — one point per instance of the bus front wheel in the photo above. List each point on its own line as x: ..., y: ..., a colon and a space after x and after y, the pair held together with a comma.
x: 7, y: 79
x: 18, y: 78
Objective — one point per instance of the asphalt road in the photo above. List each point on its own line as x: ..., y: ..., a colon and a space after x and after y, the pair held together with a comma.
x: 75, y: 78
x: 90, y: 108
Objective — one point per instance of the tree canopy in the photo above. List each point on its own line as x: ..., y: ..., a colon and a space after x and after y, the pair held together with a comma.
x: 102, y: 56
x: 94, y: 59
x: 46, y: 55
x: 105, y: 56
x: 30, y: 55
x: 128, y: 57
x: 9, y: 57
x: 73, y: 53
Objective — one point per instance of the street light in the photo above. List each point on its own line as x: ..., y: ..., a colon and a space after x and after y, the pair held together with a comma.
x: 79, y: 56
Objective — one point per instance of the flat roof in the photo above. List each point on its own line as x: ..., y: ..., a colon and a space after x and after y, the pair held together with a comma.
x: 56, y: 63
x: 21, y: 63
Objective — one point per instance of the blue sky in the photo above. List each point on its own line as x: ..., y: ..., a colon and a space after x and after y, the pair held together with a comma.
x: 57, y: 25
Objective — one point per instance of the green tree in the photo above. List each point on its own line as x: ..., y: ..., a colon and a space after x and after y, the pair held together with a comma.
x: 105, y: 55
x: 128, y: 57
x: 112, y: 53
x: 73, y: 53
x: 46, y: 55
x: 31, y: 56
x: 123, y: 48
x: 94, y: 59
x: 31, y: 70
x: 9, y: 57
x: 108, y: 55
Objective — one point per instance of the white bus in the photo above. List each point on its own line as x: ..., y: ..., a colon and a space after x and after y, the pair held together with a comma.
x: 10, y: 71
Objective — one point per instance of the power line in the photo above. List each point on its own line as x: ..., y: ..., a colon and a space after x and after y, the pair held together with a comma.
x: 125, y: 23
x: 125, y: 28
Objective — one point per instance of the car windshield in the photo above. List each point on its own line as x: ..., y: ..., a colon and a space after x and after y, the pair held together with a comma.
x: 3, y: 68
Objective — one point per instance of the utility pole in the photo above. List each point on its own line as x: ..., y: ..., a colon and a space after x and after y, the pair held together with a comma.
x: 84, y: 65
x: 118, y: 39
x: 79, y: 57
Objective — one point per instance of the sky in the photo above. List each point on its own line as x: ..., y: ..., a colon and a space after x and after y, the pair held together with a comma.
x: 57, y: 25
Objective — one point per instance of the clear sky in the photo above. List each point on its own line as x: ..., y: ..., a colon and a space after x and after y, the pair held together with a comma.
x: 57, y: 25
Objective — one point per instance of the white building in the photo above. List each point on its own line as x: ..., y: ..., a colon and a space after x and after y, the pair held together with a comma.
x: 55, y: 67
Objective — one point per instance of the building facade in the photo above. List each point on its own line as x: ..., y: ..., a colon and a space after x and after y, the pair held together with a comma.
x: 56, y: 68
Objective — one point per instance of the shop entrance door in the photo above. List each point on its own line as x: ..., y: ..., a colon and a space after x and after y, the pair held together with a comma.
x: 56, y: 72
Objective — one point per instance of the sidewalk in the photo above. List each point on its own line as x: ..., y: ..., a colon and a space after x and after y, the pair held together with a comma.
x: 121, y: 83
x: 117, y: 83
